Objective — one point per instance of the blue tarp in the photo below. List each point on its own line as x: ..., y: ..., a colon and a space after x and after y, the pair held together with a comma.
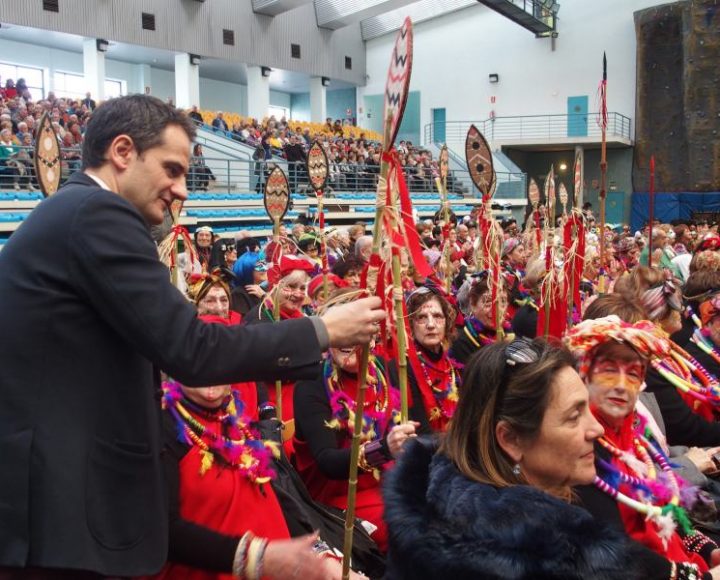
x: 671, y: 206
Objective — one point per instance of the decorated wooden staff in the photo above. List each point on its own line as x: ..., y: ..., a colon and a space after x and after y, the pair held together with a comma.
x: 549, y: 286
x: 168, y: 248
x: 441, y: 181
x: 478, y: 158
x: 532, y: 227
x: 276, y: 198
x: 603, y: 172
x: 396, y: 92
x: 48, y: 168
x: 651, y: 210
x: 574, y: 246
x: 317, y: 164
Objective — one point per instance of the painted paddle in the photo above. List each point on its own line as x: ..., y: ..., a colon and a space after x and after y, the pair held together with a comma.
x: 317, y: 165
x: 48, y: 168
x: 276, y: 198
x: 478, y: 157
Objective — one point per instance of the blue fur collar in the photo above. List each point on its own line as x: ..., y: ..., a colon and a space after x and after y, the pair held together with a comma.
x: 443, y: 525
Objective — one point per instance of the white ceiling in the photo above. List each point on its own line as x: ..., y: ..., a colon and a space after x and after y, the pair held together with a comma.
x: 222, y: 70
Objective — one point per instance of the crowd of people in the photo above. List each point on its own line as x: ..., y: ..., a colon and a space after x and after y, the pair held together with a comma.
x: 19, y: 118
x: 593, y: 454
x: 354, y: 157
x: 609, y: 432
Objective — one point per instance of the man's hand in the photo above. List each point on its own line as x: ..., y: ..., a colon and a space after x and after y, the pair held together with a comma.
x: 354, y: 323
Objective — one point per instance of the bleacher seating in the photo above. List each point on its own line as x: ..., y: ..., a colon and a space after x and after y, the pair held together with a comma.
x: 315, y: 128
x: 229, y: 212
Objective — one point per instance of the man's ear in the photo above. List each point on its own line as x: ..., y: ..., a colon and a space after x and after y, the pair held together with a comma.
x: 121, y: 152
x: 508, y: 441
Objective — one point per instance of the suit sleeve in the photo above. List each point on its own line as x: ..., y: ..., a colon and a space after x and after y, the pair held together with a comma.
x: 116, y: 269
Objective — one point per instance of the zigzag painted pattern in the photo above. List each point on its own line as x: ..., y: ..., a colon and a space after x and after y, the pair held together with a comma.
x: 398, y: 77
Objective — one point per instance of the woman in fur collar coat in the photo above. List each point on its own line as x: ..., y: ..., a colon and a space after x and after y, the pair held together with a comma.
x: 493, y: 501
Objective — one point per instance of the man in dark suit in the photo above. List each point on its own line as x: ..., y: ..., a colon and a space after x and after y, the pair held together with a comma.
x: 89, y: 318
x: 89, y: 102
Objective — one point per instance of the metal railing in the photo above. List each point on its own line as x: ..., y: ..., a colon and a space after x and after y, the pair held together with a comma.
x: 242, y: 176
x: 531, y: 127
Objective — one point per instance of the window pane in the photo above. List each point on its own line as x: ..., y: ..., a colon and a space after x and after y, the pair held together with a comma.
x: 7, y: 71
x: 33, y: 76
x: 112, y: 89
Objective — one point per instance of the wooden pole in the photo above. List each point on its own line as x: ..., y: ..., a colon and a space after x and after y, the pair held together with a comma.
x: 603, y: 177
x: 276, y: 317
x: 323, y: 246
x: 362, y: 376
x: 651, y: 211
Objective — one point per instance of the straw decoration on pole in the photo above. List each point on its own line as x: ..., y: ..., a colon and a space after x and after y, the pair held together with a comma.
x: 479, y: 160
x: 387, y: 215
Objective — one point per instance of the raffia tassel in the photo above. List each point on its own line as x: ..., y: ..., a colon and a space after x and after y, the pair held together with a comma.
x: 206, y: 461
x: 666, y: 527
x: 435, y: 414
x: 274, y: 447
x: 334, y: 424
x: 550, y: 281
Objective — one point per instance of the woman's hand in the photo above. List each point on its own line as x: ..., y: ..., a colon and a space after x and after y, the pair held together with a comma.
x: 715, y: 557
x: 295, y: 560
x: 703, y: 459
x: 255, y: 290
x: 399, y: 434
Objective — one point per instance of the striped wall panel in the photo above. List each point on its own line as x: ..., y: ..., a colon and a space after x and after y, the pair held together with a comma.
x: 196, y: 27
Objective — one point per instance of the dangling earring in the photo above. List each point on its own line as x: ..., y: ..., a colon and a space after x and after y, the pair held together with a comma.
x: 516, y: 470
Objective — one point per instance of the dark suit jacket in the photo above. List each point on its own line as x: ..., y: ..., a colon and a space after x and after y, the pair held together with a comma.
x: 87, y: 311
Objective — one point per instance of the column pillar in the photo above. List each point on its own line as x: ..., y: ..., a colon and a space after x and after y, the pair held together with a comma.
x: 258, y: 93
x: 187, y: 82
x: 94, y: 69
x: 318, y: 100
x: 142, y: 79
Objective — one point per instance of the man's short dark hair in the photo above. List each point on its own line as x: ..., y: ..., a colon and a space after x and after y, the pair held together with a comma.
x: 141, y: 117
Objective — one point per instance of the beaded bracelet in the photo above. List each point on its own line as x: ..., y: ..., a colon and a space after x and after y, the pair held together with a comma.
x: 687, y: 571
x: 240, y: 559
x: 362, y: 462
